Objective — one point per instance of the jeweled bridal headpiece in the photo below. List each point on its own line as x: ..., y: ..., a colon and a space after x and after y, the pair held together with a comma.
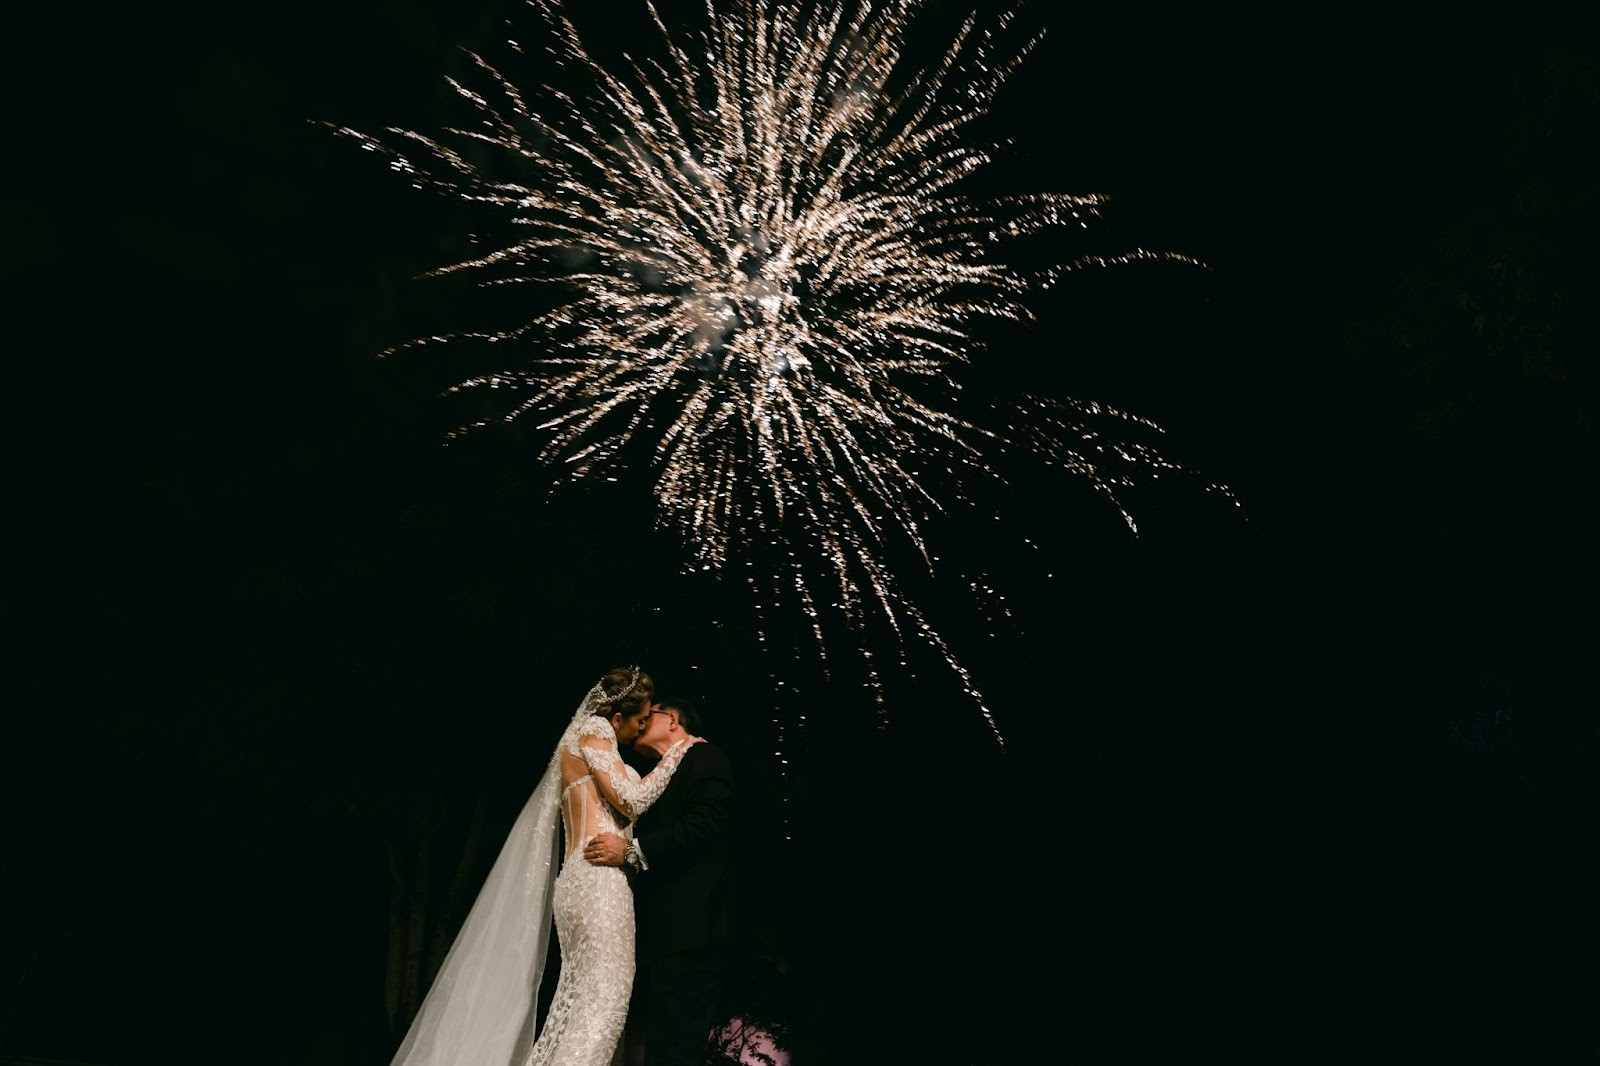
x: 599, y: 698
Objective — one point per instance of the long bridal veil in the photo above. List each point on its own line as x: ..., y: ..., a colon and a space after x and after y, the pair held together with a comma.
x: 481, y: 1009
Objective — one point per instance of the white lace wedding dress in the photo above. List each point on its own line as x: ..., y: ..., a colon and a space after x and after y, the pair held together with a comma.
x: 482, y: 1005
x: 594, y: 904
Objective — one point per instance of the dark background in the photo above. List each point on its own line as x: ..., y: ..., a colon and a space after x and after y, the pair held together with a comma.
x: 1307, y: 780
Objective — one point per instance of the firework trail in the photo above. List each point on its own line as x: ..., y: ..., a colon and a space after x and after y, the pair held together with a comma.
x: 768, y: 275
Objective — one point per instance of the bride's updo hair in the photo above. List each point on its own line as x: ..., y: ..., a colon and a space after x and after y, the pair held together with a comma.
x: 628, y: 690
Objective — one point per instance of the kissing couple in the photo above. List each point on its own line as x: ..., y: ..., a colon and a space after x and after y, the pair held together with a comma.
x: 575, y: 859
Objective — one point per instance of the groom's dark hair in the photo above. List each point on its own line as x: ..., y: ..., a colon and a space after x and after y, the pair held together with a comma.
x: 688, y: 713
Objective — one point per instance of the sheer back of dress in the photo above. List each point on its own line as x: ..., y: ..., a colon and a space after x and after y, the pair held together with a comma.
x: 584, y: 812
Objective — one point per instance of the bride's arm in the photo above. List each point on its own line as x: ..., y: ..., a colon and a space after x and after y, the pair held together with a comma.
x: 630, y: 797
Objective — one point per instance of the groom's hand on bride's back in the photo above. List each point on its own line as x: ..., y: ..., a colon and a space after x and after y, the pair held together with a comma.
x: 606, y: 849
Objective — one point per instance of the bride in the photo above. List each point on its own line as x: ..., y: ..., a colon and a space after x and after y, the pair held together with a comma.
x: 481, y: 1009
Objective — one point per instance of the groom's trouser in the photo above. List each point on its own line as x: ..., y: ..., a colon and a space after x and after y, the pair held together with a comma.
x: 683, y: 1001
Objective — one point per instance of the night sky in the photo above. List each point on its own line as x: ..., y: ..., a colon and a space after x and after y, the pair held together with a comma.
x: 1300, y: 781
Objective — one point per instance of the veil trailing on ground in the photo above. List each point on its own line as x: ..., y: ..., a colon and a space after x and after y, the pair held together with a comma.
x: 481, y: 1009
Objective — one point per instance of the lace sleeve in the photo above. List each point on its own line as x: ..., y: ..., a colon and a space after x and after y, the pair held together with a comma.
x: 630, y: 797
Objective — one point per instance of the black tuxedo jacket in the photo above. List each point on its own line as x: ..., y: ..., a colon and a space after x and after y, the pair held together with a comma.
x: 684, y: 899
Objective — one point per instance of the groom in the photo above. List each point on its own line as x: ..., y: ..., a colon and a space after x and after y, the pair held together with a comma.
x: 683, y: 889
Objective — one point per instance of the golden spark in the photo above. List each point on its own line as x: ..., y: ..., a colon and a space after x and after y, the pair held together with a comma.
x: 769, y: 273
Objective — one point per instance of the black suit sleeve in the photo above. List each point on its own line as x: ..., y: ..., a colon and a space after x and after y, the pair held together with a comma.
x: 703, y: 795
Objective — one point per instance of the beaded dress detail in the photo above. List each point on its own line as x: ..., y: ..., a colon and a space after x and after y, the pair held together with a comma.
x: 593, y: 905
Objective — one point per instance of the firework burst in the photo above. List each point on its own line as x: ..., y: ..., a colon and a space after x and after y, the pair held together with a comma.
x: 768, y: 274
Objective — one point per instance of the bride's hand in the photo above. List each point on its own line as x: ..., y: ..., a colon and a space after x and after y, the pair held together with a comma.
x: 682, y: 746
